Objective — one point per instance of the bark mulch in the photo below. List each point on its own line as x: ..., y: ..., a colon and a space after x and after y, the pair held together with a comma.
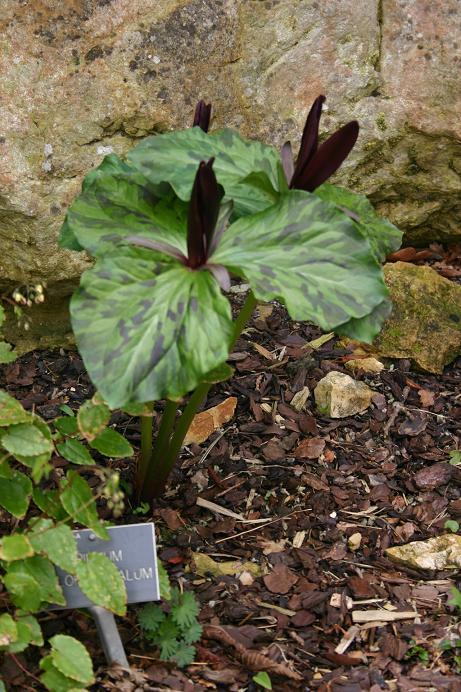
x: 280, y: 595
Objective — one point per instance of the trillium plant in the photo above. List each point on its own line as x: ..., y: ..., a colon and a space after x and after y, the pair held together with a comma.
x: 173, y: 224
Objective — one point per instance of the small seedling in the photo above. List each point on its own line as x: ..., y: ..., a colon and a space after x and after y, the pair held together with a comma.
x: 455, y: 457
x: 451, y: 525
x: 263, y: 680
x: 419, y: 652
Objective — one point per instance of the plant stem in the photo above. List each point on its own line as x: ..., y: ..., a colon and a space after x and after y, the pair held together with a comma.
x: 153, y: 471
x: 147, y: 424
x: 161, y: 468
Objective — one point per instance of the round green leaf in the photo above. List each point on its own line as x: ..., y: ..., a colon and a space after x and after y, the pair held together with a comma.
x: 309, y: 255
x: 92, y: 418
x: 55, y: 542
x: 149, y: 329
x: 25, y: 439
x: 32, y: 582
x: 75, y: 452
x: 72, y: 659
x: 15, y: 494
x: 102, y: 582
x: 67, y: 425
x: 112, y: 444
x: 15, y: 547
x: 8, y: 630
x: 78, y: 501
x: 11, y: 411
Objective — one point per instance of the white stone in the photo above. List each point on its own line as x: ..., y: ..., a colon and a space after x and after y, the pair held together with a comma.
x: 338, y: 395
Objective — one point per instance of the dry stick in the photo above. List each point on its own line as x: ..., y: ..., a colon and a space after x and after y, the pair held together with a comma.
x: 263, y: 526
x: 251, y: 659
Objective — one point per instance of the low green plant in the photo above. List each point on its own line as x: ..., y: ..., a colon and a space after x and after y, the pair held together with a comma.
x: 7, y: 354
x: 173, y: 626
x: 263, y: 680
x: 451, y: 525
x: 455, y: 457
x: 416, y: 651
x: 39, y: 544
x: 168, y: 228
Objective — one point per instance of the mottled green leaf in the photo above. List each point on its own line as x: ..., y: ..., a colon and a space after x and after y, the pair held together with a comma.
x: 8, y: 630
x: 75, y: 452
x: 248, y: 170
x: 220, y: 374
x: 25, y: 439
x: 92, y: 418
x: 31, y: 582
x: 101, y: 581
x: 309, y: 255
x: 78, y: 501
x: 382, y: 235
x: 116, y: 201
x: 11, y: 411
x: 29, y: 632
x: 54, y: 681
x: 112, y: 444
x: 72, y: 659
x: 55, y: 542
x: 15, y: 494
x: 364, y: 327
x: 15, y: 547
x: 5, y: 469
x: 149, y: 329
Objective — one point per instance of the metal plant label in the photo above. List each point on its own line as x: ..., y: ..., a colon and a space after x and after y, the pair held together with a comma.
x: 132, y: 550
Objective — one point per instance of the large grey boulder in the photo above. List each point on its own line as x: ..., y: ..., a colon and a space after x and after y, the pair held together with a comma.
x: 84, y: 77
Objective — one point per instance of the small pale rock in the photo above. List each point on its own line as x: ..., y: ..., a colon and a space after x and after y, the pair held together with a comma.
x: 433, y: 476
x: 354, y: 541
x: 442, y: 552
x: 246, y: 579
x: 299, y: 400
x: 371, y: 365
x: 338, y: 395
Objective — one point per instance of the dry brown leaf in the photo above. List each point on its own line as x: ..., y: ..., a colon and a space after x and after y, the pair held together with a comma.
x: 205, y: 423
x: 280, y: 580
x: 310, y: 449
x: 426, y: 397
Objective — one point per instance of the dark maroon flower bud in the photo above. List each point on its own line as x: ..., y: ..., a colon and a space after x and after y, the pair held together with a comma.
x: 202, y: 115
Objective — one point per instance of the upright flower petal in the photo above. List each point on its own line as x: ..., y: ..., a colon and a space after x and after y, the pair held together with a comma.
x: 203, y: 213
x: 202, y: 115
x: 328, y: 158
x: 309, y: 140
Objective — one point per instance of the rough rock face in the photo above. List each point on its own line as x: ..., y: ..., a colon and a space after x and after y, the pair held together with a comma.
x: 83, y: 77
x: 338, y: 395
x: 425, y: 324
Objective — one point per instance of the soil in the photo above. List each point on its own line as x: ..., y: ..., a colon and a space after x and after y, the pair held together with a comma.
x: 333, y: 506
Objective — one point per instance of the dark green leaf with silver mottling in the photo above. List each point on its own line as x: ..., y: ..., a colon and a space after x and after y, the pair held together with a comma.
x: 383, y: 236
x: 149, y: 328
x: 118, y: 201
x: 307, y: 254
x: 250, y: 172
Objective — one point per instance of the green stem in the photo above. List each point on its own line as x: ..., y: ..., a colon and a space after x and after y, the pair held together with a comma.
x: 163, y: 466
x: 159, y: 453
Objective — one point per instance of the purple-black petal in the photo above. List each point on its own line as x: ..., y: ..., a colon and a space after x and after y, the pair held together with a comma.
x: 328, y: 158
x: 202, y: 115
x: 203, y: 213
x: 309, y: 139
